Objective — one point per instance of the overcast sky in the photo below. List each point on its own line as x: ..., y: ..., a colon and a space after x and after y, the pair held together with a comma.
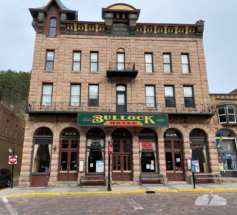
x: 220, y: 31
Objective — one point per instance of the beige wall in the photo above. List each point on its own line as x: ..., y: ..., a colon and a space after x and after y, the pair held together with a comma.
x: 135, y: 47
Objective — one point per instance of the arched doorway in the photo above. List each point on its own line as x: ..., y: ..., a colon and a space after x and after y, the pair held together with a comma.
x: 174, y: 155
x: 122, y: 169
x: 68, y: 155
x: 199, y: 155
x: 148, y: 151
x: 227, y: 153
x: 42, y: 153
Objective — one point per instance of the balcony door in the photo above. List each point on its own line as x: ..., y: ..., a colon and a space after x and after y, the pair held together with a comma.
x: 121, y: 60
x: 121, y: 99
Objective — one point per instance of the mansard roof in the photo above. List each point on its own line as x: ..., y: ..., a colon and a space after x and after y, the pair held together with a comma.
x: 44, y: 9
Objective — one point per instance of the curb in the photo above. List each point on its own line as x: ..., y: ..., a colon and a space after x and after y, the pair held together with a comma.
x: 123, y: 192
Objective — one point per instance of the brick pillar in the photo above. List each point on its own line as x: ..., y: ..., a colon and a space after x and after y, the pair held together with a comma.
x: 82, y: 153
x: 135, y: 158
x: 54, y: 159
x: 186, y: 155
x: 161, y: 152
x: 107, y: 136
x: 26, y: 155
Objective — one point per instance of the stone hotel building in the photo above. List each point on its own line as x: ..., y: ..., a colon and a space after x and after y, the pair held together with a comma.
x: 142, y: 84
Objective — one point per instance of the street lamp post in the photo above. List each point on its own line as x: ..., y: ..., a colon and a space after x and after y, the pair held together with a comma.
x: 109, y: 187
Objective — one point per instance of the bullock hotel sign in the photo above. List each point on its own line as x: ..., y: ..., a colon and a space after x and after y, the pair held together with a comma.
x: 122, y: 120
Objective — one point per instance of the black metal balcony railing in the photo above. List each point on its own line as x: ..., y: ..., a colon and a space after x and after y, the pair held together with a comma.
x: 111, y: 107
x: 128, y: 66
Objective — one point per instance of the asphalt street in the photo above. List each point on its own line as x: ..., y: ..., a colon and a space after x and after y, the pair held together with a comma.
x: 159, y: 203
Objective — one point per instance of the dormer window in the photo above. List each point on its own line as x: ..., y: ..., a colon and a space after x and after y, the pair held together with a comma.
x: 52, y: 26
x: 226, y: 113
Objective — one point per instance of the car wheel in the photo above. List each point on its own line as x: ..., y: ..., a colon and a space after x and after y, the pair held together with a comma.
x: 8, y: 183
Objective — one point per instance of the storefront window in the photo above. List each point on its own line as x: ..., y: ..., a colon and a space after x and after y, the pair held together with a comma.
x: 42, y: 150
x: 198, y: 150
x: 95, y: 151
x: 148, y: 154
x: 226, y: 151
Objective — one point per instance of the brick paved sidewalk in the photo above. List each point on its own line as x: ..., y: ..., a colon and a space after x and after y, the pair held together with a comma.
x: 145, y: 187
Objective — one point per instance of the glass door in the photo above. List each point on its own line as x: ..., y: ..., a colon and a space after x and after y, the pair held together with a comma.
x: 121, y: 99
x: 174, y: 160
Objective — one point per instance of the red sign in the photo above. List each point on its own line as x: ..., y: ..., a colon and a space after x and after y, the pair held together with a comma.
x: 12, y: 159
x: 110, y: 149
x: 147, y: 146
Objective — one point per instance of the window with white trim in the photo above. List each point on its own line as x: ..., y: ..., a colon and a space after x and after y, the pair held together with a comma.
x: 231, y: 114
x: 222, y: 115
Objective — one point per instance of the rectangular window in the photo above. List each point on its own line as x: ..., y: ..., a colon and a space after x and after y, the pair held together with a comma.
x: 49, y: 60
x: 169, y: 96
x: 23, y: 132
x: 222, y: 115
x: 6, y: 130
x: 167, y: 63
x: 121, y: 61
x: 75, y: 94
x: 47, y: 94
x: 150, y: 96
x: 185, y: 63
x: 76, y: 61
x: 94, y: 95
x: 149, y: 63
x: 188, y: 97
x: 94, y: 61
x: 16, y: 131
x: 231, y: 114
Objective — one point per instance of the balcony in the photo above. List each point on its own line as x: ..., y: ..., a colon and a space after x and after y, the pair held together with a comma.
x: 200, y: 110
x: 122, y: 70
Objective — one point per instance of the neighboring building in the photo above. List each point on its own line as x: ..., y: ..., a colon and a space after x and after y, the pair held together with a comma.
x: 12, y: 132
x: 225, y: 121
x: 143, y: 84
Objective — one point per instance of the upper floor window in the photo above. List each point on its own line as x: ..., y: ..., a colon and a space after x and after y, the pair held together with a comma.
x: 94, y: 95
x: 94, y: 61
x: 226, y: 114
x: 185, y: 63
x: 76, y: 61
x: 75, y: 94
x: 120, y: 59
x: 150, y: 96
x: 16, y: 131
x: 149, y: 62
x: 49, y: 60
x: 167, y: 63
x: 52, y: 26
x: 169, y: 96
x: 6, y: 130
x: 188, y: 97
x: 47, y: 94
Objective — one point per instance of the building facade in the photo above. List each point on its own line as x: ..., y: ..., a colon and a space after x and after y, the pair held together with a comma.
x: 143, y: 84
x: 226, y: 125
x: 12, y: 132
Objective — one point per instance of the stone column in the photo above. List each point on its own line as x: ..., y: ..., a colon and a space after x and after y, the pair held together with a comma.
x: 82, y: 153
x: 186, y: 155
x: 135, y: 158
x: 161, y: 152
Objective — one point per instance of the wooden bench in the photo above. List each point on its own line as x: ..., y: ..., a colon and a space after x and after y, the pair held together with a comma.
x: 152, y: 178
x: 92, y: 178
x: 212, y: 176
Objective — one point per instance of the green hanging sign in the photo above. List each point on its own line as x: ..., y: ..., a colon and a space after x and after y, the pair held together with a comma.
x: 122, y: 120
x: 193, y: 168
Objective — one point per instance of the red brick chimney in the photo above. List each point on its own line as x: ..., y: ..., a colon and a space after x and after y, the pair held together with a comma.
x: 12, y: 108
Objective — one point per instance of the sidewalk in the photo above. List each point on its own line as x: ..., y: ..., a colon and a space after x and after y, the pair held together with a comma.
x: 86, y: 190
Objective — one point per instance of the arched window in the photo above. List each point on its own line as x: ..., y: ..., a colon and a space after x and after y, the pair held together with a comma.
x: 52, y: 26
x: 148, y: 150
x: 120, y: 59
x: 198, y: 149
x: 42, y: 150
x: 95, y: 151
x: 226, y: 151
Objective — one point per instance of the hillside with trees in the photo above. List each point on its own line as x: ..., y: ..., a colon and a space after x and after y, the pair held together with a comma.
x: 14, y: 90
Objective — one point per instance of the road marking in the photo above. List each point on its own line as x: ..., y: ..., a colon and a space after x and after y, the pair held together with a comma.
x: 135, y: 205
x: 9, y: 207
